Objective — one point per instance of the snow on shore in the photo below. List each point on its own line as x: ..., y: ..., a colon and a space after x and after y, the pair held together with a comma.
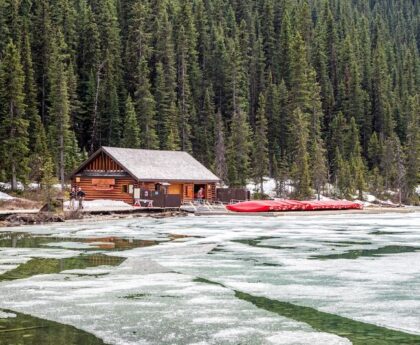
x: 4, y: 196
x: 100, y: 204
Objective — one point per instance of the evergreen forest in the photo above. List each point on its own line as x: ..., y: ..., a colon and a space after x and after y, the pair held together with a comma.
x: 310, y: 91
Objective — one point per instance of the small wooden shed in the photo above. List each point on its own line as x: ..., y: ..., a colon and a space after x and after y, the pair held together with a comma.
x: 135, y: 176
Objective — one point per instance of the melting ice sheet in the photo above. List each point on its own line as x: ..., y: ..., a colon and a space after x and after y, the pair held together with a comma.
x: 365, y: 269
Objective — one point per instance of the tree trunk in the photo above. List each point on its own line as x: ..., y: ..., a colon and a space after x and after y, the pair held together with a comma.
x: 95, y: 107
x: 14, y: 179
x: 62, y: 177
x: 262, y: 185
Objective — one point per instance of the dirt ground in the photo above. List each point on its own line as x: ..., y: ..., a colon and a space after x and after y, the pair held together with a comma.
x: 19, y: 204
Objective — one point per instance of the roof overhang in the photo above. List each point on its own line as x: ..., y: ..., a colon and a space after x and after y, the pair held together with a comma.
x: 138, y: 179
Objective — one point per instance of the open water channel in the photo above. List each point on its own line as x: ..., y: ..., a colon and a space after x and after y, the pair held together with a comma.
x: 326, y: 279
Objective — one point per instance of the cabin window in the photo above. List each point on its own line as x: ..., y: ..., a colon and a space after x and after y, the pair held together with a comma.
x: 130, y: 188
x: 125, y: 188
x: 77, y: 179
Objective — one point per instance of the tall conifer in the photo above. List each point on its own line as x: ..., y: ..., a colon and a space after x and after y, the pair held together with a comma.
x: 14, y: 126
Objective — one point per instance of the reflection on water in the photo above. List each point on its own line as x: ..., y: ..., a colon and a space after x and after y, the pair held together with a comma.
x: 25, y: 240
x: 356, y: 253
x: 256, y: 242
x: 359, y: 333
x: 29, y: 330
x: 48, y: 266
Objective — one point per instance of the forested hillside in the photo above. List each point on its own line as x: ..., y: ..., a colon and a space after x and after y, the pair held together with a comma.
x: 307, y: 90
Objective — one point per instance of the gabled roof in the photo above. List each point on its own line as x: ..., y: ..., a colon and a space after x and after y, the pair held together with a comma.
x: 156, y: 165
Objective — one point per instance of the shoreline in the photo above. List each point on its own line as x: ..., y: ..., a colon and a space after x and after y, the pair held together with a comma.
x: 368, y: 210
x: 28, y: 217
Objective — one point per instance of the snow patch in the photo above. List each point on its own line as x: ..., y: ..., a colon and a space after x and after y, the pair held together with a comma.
x: 4, y: 196
x: 4, y: 315
x: 100, y: 204
x: 269, y: 186
x: 310, y: 338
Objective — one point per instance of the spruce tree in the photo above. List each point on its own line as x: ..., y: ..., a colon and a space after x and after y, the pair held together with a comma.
x: 220, y: 149
x: 131, y: 131
x: 260, y: 151
x: 59, y: 110
x: 146, y: 107
x: 357, y: 167
x: 343, y: 178
x: 204, y: 129
x: 14, y: 126
x: 374, y: 151
x: 319, y: 167
x: 300, y: 167
x: 239, y: 150
x: 39, y: 153
x: 412, y: 149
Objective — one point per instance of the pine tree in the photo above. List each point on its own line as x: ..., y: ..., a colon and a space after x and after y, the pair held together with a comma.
x: 343, y: 178
x: 39, y: 152
x: 300, y: 167
x: 31, y: 113
x: 220, y: 149
x: 204, y: 129
x: 412, y: 149
x: 336, y: 139
x: 59, y: 111
x: 357, y: 167
x: 131, y: 132
x: 14, y: 126
x: 48, y: 180
x: 184, y: 92
x: 285, y: 42
x: 374, y: 151
x: 239, y: 150
x: 146, y: 107
x: 260, y: 151
x: 318, y: 166
x: 137, y: 50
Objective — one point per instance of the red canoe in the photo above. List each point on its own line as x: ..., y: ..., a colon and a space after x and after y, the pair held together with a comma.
x: 292, y: 205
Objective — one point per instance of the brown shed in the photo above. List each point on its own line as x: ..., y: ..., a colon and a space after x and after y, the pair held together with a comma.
x: 134, y: 176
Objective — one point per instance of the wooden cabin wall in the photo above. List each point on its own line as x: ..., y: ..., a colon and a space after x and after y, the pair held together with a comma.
x: 103, y: 163
x: 116, y: 193
x: 211, y: 191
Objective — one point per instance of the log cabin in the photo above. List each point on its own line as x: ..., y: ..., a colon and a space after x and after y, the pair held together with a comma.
x: 134, y: 176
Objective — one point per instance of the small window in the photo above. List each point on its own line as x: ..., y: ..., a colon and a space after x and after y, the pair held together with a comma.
x: 125, y: 188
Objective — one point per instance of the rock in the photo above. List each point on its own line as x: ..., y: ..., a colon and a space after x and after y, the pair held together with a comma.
x: 37, y: 218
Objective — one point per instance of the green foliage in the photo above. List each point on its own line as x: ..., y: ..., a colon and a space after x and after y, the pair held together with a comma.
x: 146, y: 107
x: 300, y: 168
x: 13, y: 125
x: 48, y: 180
x: 239, y: 151
x: 260, y: 151
x: 353, y: 71
x: 131, y: 131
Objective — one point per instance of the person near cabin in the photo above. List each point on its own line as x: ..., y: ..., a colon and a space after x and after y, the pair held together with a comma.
x: 80, y: 197
x: 200, y: 195
x: 72, y: 196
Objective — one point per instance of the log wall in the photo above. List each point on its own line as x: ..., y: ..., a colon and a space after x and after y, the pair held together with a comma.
x: 114, y: 192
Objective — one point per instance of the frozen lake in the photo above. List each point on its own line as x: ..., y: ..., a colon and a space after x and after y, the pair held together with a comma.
x: 342, y: 279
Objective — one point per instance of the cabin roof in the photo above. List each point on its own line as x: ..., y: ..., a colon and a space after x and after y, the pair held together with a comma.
x: 157, y: 165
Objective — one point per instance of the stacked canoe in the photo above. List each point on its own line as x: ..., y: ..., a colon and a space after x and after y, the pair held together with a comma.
x: 293, y: 205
